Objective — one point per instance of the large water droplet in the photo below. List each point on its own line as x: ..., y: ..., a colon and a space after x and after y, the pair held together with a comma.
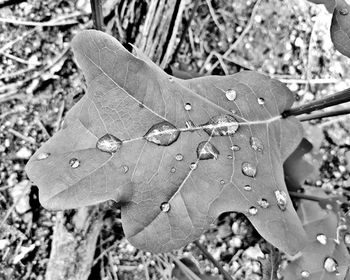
x: 248, y: 169
x: 163, y: 134
x: 347, y: 238
x: 179, y: 157
x: 43, y: 156
x: 261, y: 101
x: 253, y: 210
x: 235, y: 148
x: 193, y: 165
x: 305, y: 274
x: 247, y: 188
x: 125, y: 169
x: 330, y: 265
x: 321, y: 238
x: 263, y: 203
x: 74, y: 163
x: 231, y: 94
x: 165, y: 207
x: 206, y: 150
x: 256, y: 144
x: 343, y: 11
x: 173, y: 170
x: 188, y: 106
x: 281, y: 198
x: 108, y: 143
x: 221, y: 125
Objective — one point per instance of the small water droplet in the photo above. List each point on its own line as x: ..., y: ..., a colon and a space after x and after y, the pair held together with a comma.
x: 74, y: 162
x: 221, y: 125
x: 343, y: 11
x: 231, y: 94
x: 42, y: 156
x: 179, y: 157
x: 165, y: 207
x: 321, y: 238
x: 193, y: 165
x: 253, y: 211
x: 256, y: 144
x: 261, y: 101
x: 125, y: 169
x: 222, y: 182
x: 171, y: 79
x: 263, y: 203
x: 235, y: 148
x: 190, y: 124
x: 162, y: 134
x: 305, y: 274
x: 188, y: 106
x: 233, y: 111
x: 347, y: 238
x: 247, y: 188
x: 206, y: 150
x: 108, y: 143
x: 330, y: 265
x: 173, y: 170
x: 281, y: 198
x: 229, y: 156
x: 248, y: 169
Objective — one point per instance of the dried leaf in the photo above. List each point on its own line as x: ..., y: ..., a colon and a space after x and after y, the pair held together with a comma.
x: 189, y: 149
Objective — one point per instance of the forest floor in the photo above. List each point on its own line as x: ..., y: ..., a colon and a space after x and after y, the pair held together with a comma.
x: 40, y: 82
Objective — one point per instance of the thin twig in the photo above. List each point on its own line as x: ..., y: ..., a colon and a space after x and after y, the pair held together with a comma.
x: 21, y: 136
x: 97, y: 15
x: 213, y: 15
x: 328, y: 101
x: 320, y: 115
x: 223, y: 272
x: 305, y: 196
x: 34, y: 23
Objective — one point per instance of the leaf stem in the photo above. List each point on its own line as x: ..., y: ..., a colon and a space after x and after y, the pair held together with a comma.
x: 320, y: 115
x: 305, y: 196
x: 328, y: 101
x: 223, y: 272
x: 97, y: 15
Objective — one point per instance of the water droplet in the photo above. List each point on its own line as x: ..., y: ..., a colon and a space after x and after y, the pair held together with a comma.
x: 231, y: 94
x: 253, y: 211
x: 347, y: 238
x: 343, y: 11
x: 261, y: 101
x: 206, y: 150
x: 173, y: 170
x: 74, y: 162
x: 222, y: 182
x: 256, y: 144
x: 125, y: 169
x: 247, y: 188
x: 229, y: 156
x: 171, y: 79
x: 108, y: 143
x: 221, y: 125
x: 233, y: 111
x: 179, y: 157
x: 263, y: 203
x: 235, y: 148
x: 281, y: 198
x: 248, y: 169
x: 305, y: 274
x: 321, y: 238
x: 193, y: 165
x: 165, y: 207
x: 42, y: 156
x: 190, y: 124
x: 188, y: 106
x: 163, y: 134
x: 330, y: 265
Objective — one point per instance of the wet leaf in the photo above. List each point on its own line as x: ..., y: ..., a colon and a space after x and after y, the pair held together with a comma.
x: 169, y: 194
x: 340, y: 27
